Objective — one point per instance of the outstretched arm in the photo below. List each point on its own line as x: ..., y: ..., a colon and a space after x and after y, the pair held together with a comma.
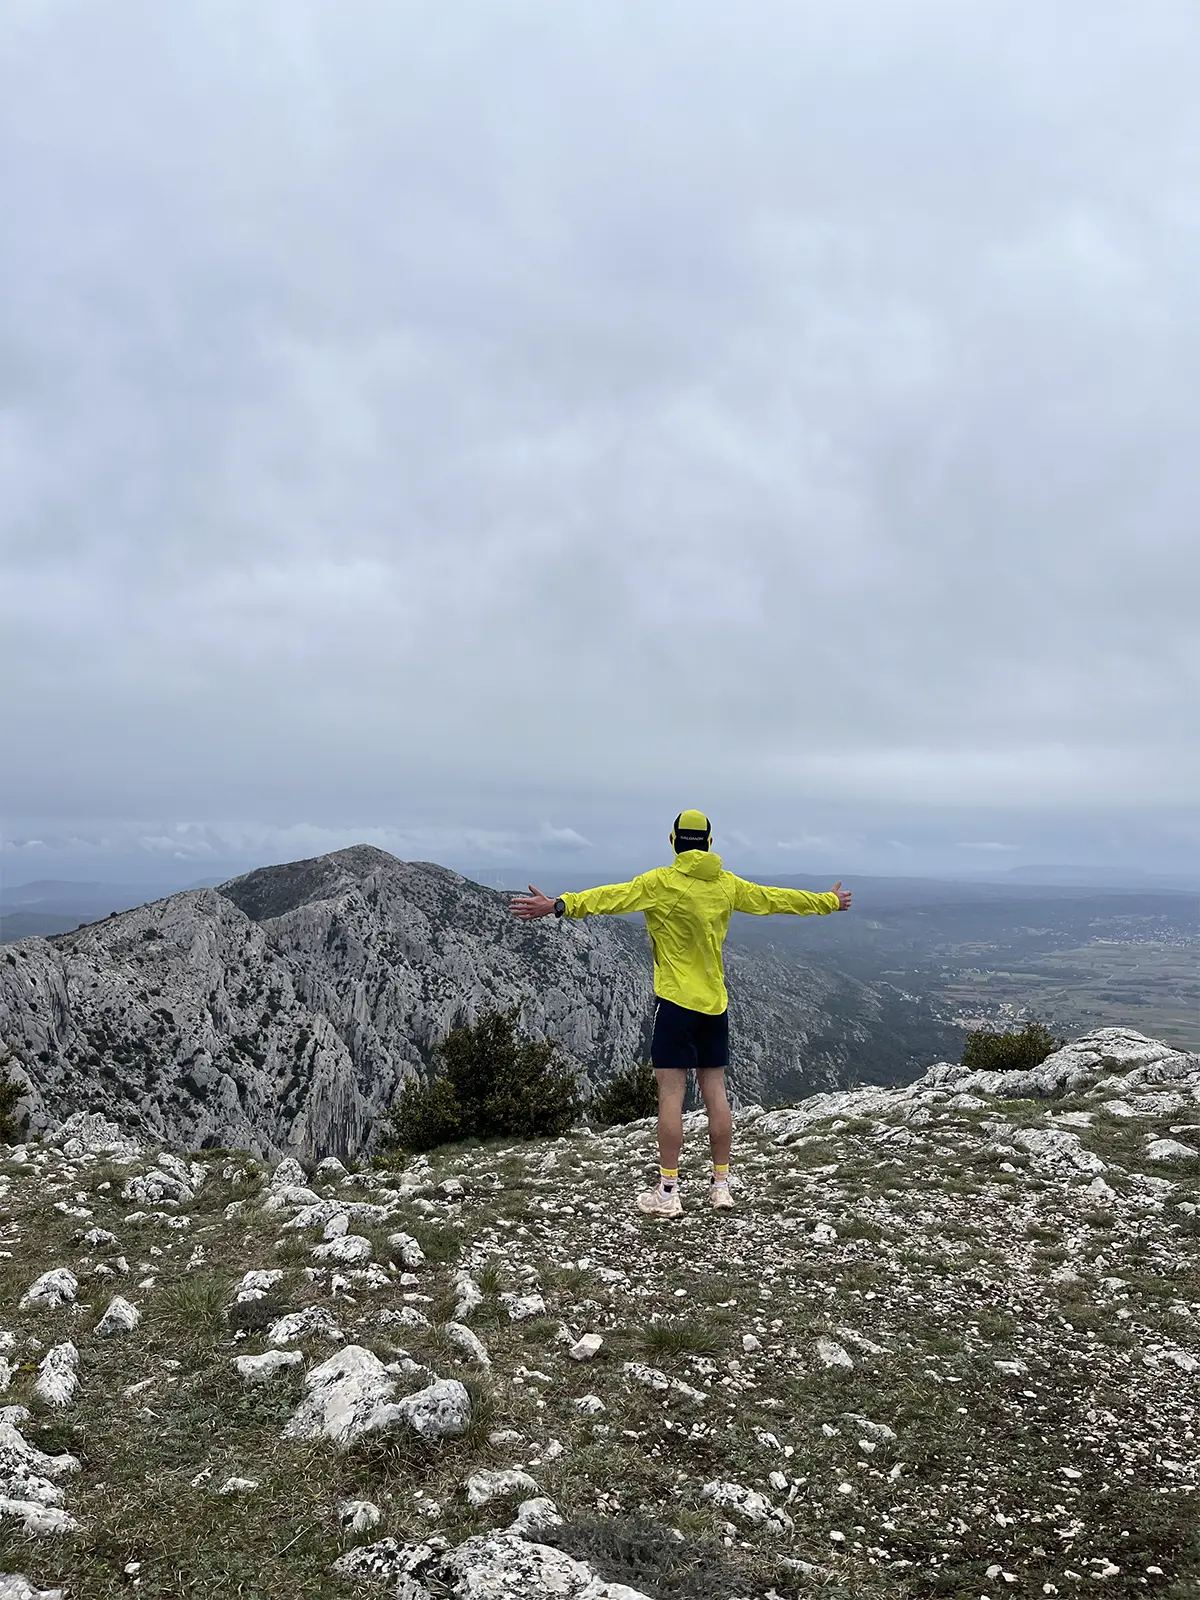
x: 760, y: 901
x: 609, y: 899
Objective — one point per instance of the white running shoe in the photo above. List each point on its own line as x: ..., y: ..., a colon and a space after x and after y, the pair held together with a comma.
x: 654, y: 1203
x: 719, y: 1197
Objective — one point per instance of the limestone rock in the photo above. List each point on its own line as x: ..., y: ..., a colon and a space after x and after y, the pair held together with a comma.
x: 1170, y: 1150
x: 367, y: 962
x: 38, y: 1520
x: 314, y: 1322
x: 88, y: 1133
x: 345, y: 1395
x: 359, y: 1516
x: 1057, y: 1150
x: 388, y: 1560
x: 485, y: 1486
x: 468, y: 1343
x: 469, y: 1295
x: 502, y: 1566
x: 523, y: 1306
x: 352, y: 1247
x: 261, y: 1369
x: 151, y: 1188
x: 27, y: 1474
x: 255, y: 1284
x: 534, y: 1517
x: 407, y: 1251
x: 15, y: 1586
x: 120, y: 1317
x: 587, y: 1348
x: 832, y: 1354
x: 878, y: 1431
x: 58, y: 1377
x: 58, y: 1287
x: 289, y: 1174
x: 440, y: 1411
x: 95, y: 1237
x: 747, y: 1506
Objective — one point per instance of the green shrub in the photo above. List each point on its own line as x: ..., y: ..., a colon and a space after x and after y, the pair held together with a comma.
x: 628, y: 1096
x: 10, y: 1092
x: 487, y: 1083
x: 1015, y: 1050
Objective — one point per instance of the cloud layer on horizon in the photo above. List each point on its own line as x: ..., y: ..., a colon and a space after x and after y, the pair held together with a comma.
x: 459, y: 425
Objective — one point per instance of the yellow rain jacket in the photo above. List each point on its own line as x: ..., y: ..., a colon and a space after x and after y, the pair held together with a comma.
x: 687, y: 907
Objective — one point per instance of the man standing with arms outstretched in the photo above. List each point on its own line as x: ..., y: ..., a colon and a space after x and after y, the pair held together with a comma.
x: 687, y: 907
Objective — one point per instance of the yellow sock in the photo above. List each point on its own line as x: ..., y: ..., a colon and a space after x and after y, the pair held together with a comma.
x: 720, y: 1174
x: 668, y: 1178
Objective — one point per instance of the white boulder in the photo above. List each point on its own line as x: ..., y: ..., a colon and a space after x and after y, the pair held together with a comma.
x: 58, y: 1287
x: 58, y: 1376
x: 1170, y: 1150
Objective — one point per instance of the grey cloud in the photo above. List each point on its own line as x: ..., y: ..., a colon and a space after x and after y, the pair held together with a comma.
x: 410, y: 417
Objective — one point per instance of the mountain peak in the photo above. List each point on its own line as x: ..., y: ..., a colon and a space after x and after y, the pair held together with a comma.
x: 273, y: 891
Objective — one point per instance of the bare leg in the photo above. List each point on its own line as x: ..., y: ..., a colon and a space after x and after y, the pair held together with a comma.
x: 720, y: 1118
x: 672, y: 1085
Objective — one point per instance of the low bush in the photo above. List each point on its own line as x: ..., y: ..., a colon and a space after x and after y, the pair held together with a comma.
x: 1015, y: 1050
x: 628, y: 1096
x: 10, y: 1092
x: 488, y: 1082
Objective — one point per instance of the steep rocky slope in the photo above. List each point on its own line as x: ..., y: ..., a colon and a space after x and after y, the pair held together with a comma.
x: 281, y: 1011
x: 946, y: 1346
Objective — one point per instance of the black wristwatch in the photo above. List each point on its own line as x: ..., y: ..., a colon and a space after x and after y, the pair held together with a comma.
x: 560, y: 907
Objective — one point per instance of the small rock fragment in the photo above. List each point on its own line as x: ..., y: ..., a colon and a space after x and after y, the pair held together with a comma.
x: 534, y: 1517
x: 260, y: 1369
x: 314, y: 1322
x: 359, y: 1516
x: 832, y: 1354
x: 523, y: 1306
x: 468, y: 1343
x: 751, y: 1508
x: 408, y: 1252
x: 120, y: 1317
x: 485, y: 1486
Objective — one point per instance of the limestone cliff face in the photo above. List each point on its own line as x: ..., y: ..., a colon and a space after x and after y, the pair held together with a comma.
x: 282, y: 1011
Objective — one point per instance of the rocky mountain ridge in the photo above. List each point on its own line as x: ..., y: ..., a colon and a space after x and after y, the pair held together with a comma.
x: 282, y: 1011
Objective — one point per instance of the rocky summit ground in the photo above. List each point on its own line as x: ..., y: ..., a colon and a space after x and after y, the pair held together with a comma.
x: 946, y: 1345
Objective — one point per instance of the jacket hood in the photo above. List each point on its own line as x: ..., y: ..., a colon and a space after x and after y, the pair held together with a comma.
x: 699, y: 864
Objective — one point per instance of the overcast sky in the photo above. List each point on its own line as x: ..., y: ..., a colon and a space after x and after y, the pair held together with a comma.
x: 485, y: 429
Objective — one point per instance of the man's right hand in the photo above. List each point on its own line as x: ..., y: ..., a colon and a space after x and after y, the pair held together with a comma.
x: 531, y: 906
x: 844, y: 896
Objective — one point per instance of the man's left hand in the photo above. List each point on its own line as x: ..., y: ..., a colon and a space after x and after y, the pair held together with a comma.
x: 844, y: 896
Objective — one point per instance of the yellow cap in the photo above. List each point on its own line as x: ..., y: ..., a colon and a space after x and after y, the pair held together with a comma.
x: 692, y: 831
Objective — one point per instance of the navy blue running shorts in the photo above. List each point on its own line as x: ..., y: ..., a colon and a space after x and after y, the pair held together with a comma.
x: 684, y: 1038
